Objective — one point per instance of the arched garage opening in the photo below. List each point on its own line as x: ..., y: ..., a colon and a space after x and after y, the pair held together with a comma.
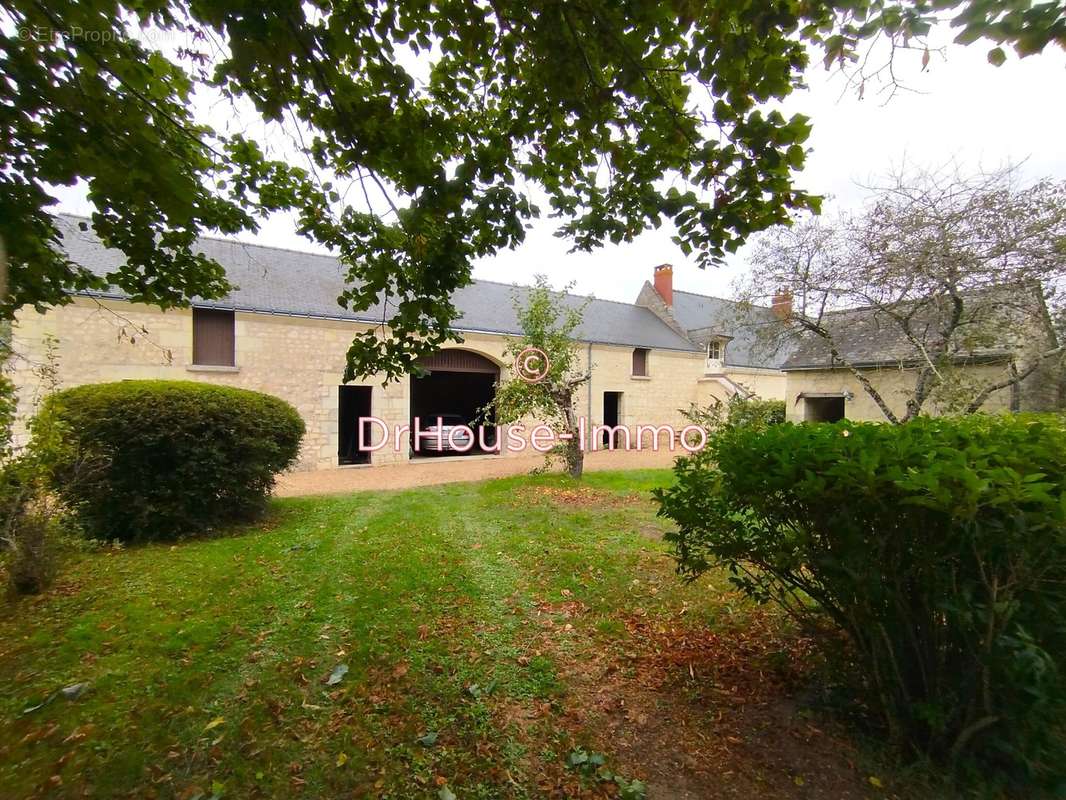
x: 457, y: 385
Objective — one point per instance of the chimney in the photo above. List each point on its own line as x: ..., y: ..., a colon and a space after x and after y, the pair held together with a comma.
x: 782, y: 304
x: 664, y: 283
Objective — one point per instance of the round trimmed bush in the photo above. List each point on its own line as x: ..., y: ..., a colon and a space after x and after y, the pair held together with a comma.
x: 156, y: 459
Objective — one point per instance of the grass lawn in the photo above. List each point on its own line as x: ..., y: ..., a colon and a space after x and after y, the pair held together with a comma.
x: 493, y: 633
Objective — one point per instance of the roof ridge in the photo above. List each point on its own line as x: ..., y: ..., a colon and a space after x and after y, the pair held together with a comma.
x: 568, y: 294
x: 721, y: 299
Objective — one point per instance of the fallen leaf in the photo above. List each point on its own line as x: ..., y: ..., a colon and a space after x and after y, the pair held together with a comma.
x: 79, y: 733
x: 337, y: 675
x: 214, y: 723
x: 342, y: 759
x: 75, y: 691
x: 42, y: 704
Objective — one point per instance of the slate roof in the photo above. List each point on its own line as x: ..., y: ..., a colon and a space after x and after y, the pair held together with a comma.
x: 866, y: 338
x: 754, y: 342
x: 279, y: 281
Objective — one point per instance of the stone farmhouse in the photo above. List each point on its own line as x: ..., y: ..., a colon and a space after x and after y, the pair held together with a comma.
x: 281, y: 331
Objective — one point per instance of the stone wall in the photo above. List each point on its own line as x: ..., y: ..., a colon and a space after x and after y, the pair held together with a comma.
x: 299, y: 360
x: 302, y: 361
x: 893, y: 384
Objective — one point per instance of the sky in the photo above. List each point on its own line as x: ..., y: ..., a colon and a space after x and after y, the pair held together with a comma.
x: 960, y: 108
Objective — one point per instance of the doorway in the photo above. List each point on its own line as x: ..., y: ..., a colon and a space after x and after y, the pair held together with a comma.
x: 612, y: 409
x: 353, y: 410
x: 823, y: 409
x: 458, y: 385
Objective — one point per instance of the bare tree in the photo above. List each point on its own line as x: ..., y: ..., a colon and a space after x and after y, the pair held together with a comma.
x: 942, y: 270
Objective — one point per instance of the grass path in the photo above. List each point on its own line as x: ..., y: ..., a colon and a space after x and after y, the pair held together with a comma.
x: 488, y: 631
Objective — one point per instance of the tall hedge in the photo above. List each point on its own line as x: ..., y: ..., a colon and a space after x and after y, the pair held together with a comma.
x: 155, y: 459
x: 938, y: 547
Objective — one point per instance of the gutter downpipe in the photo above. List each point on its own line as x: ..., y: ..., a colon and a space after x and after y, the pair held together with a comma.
x: 588, y: 358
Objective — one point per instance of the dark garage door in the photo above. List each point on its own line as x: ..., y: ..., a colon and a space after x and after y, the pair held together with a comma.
x: 458, y: 382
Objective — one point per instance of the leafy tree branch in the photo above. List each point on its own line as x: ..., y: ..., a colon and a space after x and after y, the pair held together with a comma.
x: 617, y: 117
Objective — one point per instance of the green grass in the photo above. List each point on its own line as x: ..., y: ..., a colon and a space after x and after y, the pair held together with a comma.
x: 206, y: 658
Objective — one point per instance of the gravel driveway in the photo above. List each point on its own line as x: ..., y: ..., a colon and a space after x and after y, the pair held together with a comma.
x: 429, y: 471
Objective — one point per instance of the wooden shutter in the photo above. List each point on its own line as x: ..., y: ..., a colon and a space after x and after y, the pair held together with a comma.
x: 640, y: 362
x: 212, y: 338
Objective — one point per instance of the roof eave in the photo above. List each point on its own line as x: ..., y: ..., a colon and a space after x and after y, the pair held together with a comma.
x: 982, y: 358
x: 370, y: 320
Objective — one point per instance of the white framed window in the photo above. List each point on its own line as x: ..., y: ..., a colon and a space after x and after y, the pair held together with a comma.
x: 714, y: 350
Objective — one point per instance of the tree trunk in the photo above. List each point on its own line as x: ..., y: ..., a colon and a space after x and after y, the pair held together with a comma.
x: 868, y: 387
x: 864, y: 382
x: 575, y: 458
x: 1015, y: 378
x: 574, y: 452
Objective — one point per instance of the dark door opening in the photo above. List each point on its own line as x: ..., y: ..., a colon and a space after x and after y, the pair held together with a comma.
x: 457, y: 387
x: 612, y: 405
x: 823, y: 409
x: 354, y: 408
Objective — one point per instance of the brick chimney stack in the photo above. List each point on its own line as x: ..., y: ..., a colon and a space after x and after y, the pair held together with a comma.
x: 664, y: 283
x: 782, y: 304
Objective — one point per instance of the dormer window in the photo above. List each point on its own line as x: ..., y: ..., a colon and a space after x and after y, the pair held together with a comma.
x: 714, y: 350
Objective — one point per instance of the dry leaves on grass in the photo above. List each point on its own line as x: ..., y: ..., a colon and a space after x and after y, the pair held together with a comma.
x: 704, y: 714
x: 754, y: 660
x: 577, y: 497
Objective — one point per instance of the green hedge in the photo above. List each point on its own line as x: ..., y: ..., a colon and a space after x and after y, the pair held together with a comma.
x: 155, y: 459
x: 737, y: 412
x: 939, y: 549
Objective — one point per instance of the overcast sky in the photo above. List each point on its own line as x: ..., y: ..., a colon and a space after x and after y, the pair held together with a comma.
x: 963, y: 108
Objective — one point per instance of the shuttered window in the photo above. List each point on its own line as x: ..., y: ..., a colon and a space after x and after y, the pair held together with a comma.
x: 640, y: 362
x: 213, y: 338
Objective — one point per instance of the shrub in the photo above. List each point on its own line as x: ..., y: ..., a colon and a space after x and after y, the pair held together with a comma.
x: 171, y: 457
x: 32, y: 520
x: 937, y: 547
x: 737, y: 412
x: 32, y: 556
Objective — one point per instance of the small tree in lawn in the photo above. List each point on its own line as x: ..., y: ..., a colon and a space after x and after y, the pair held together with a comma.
x: 548, y: 324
